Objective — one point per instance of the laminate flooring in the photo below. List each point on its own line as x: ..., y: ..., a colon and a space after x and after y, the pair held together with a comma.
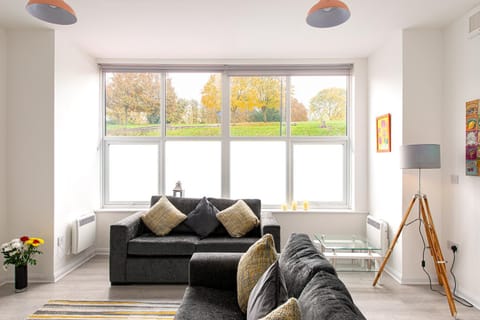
x: 388, y: 300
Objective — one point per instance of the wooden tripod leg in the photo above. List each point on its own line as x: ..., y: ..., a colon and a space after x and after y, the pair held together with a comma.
x: 428, y: 225
x: 436, y: 252
x: 394, y: 241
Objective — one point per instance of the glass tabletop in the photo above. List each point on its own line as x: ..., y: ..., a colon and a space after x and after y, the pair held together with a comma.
x: 345, y: 242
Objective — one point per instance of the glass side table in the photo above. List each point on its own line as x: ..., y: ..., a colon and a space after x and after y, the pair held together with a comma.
x: 349, y: 252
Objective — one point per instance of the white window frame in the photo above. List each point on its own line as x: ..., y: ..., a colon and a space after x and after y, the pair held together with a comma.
x: 225, y: 138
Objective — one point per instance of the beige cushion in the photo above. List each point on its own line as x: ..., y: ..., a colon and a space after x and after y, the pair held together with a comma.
x: 162, y: 217
x: 238, y: 219
x: 253, y: 263
x: 290, y: 310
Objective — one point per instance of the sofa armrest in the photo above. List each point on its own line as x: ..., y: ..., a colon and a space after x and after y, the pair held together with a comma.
x: 269, y: 224
x: 214, y: 269
x: 120, y: 233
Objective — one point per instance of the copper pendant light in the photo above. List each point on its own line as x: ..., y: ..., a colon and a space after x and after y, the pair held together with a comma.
x: 328, y: 13
x: 53, y: 11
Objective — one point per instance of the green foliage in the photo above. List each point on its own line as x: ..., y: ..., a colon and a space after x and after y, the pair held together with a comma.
x: 249, y: 129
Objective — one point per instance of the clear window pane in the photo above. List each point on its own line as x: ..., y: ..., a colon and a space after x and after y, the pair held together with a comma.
x: 318, y: 105
x: 193, y: 104
x: 318, y: 173
x: 132, y: 104
x: 132, y: 172
x: 256, y: 106
x: 258, y: 170
x: 197, y: 164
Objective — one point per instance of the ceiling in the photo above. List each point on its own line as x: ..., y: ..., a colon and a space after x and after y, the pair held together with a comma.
x: 228, y: 29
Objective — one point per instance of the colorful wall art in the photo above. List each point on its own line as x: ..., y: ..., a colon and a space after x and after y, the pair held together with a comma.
x: 384, y: 143
x: 472, y: 143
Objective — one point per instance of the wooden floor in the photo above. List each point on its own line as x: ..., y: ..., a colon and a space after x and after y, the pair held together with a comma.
x: 388, y: 300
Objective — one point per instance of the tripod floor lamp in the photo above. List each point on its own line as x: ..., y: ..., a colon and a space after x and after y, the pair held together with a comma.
x: 422, y: 156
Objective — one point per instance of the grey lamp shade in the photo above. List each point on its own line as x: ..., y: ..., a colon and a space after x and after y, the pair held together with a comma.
x: 420, y: 156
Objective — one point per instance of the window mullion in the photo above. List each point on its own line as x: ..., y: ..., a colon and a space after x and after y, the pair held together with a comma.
x: 225, y: 135
x: 163, y: 131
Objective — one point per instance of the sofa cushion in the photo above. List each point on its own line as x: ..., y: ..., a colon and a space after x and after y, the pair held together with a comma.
x: 300, y: 261
x: 290, y: 310
x: 253, y: 263
x: 269, y: 293
x: 151, y: 245
x: 162, y: 217
x: 224, y: 244
x: 238, y: 219
x: 209, y: 303
x: 203, y: 219
x: 326, y: 297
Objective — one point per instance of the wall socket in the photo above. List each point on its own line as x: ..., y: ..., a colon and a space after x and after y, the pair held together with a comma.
x: 451, y: 243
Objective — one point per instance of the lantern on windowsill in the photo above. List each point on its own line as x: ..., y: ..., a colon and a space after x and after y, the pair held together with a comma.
x: 178, y: 191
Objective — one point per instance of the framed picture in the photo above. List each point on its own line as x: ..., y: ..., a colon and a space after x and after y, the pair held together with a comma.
x: 384, y: 142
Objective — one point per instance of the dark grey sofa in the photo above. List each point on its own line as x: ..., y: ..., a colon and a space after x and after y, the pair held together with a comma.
x: 309, y: 277
x: 139, y: 256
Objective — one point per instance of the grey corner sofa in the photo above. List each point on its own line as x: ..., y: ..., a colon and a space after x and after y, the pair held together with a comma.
x: 309, y: 277
x: 139, y: 256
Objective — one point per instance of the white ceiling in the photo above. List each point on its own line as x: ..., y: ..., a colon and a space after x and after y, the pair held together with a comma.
x: 233, y: 29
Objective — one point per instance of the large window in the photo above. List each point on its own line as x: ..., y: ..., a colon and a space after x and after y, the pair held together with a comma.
x: 277, y: 133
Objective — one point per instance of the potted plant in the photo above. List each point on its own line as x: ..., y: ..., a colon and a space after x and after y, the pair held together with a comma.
x: 20, y: 252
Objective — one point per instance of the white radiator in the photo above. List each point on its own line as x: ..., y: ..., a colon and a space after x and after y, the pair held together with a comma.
x: 83, y: 232
x: 377, y: 233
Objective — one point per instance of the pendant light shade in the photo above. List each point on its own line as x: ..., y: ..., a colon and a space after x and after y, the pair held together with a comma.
x: 53, y: 11
x: 328, y: 13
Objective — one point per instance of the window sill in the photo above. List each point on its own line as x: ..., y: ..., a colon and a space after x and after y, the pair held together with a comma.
x: 316, y: 211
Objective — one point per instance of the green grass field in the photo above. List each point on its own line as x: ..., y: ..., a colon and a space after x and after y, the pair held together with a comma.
x: 252, y: 129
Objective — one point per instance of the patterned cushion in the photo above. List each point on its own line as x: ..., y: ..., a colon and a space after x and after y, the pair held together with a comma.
x: 238, y: 219
x: 269, y: 293
x: 253, y: 263
x: 162, y: 217
x: 203, y: 219
x: 287, y: 311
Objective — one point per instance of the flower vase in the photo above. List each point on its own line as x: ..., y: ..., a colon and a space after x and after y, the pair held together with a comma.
x: 21, y: 278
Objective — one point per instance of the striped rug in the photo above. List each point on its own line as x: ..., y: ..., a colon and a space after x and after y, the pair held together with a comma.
x: 86, y: 309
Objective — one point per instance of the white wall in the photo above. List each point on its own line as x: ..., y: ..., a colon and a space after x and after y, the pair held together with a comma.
x: 422, y: 123
x: 461, y: 203
x: 405, y: 80
x: 76, y: 141
x: 385, y: 90
x: 30, y: 104
x: 3, y: 145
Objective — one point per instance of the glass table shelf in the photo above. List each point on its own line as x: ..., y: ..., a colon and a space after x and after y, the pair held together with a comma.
x: 349, y: 252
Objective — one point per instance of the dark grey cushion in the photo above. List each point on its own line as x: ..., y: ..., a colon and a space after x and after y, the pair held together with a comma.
x: 209, y: 303
x: 214, y: 270
x: 300, y: 261
x: 225, y: 244
x: 151, y: 245
x: 326, y: 297
x: 202, y: 220
x: 269, y: 293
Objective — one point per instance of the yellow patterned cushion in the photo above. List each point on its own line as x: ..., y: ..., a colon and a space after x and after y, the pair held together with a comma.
x: 290, y: 310
x: 253, y: 263
x: 238, y: 219
x: 162, y: 217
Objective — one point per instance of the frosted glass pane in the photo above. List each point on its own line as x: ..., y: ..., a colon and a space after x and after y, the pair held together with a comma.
x: 133, y: 172
x: 197, y: 164
x: 258, y: 170
x: 318, y: 173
